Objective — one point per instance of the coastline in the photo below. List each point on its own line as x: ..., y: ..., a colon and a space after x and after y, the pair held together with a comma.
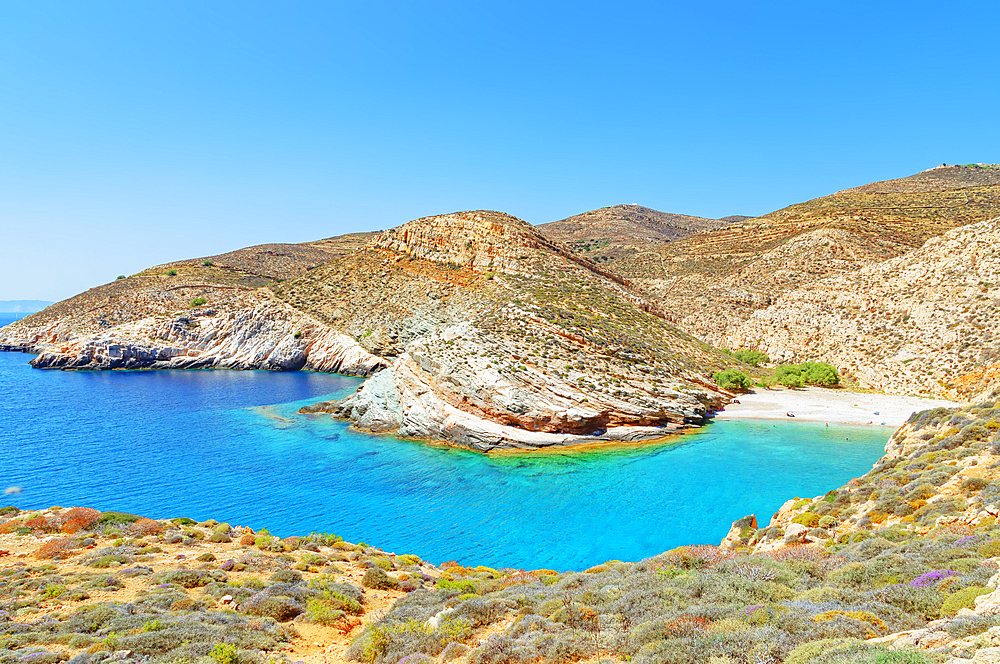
x: 817, y: 404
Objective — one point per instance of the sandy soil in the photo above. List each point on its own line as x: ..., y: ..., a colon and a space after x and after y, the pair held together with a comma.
x: 823, y: 405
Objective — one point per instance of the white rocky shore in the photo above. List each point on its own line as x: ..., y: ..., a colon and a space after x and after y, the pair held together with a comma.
x: 268, y: 335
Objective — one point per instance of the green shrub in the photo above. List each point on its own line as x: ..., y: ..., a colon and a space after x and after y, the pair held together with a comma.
x: 733, y: 380
x: 281, y: 609
x: 224, y: 653
x: 384, y: 563
x: 53, y: 590
x: 752, y: 357
x: 207, y: 263
x: 322, y: 613
x: 119, y: 277
x: 809, y: 519
x: 198, y: 301
x: 962, y: 599
x: 789, y: 375
x: 171, y: 273
x: 820, y: 373
x: 975, y: 484
x: 807, y: 373
x: 264, y: 539
x: 376, y: 578
x: 117, y: 518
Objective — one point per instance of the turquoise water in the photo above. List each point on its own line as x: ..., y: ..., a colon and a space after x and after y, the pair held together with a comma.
x: 229, y: 445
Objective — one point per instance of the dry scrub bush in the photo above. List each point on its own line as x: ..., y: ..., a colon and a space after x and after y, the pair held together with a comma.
x: 57, y: 548
x: 76, y: 519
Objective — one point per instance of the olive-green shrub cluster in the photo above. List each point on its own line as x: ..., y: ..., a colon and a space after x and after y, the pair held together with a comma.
x: 733, y: 380
x: 807, y: 373
x: 754, y: 358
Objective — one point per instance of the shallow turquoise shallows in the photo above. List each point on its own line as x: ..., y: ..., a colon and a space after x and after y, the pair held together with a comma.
x: 209, y: 444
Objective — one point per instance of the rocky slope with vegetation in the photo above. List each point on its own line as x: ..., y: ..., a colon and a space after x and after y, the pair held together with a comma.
x: 928, y: 515
x: 500, y: 337
x: 490, y: 334
x: 622, y: 230
x: 922, y: 323
x: 712, y: 282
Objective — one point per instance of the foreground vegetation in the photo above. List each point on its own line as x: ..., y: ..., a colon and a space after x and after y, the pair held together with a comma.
x: 910, y: 545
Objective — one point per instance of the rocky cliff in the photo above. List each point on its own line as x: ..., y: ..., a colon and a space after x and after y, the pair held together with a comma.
x: 151, y: 322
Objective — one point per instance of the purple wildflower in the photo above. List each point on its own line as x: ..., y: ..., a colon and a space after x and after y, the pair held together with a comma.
x: 929, y: 579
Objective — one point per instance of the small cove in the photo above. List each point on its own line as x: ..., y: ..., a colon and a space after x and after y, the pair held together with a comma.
x: 230, y: 445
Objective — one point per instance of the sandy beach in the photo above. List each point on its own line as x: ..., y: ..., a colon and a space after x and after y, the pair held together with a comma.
x: 823, y: 405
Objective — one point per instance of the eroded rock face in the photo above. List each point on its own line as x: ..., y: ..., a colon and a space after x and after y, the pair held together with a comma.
x: 921, y: 323
x: 269, y: 336
x: 483, y: 410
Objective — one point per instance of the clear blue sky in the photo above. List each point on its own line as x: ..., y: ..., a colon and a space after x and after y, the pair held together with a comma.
x: 136, y: 133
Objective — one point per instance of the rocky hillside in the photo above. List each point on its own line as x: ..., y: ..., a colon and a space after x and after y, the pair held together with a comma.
x: 213, y: 312
x: 713, y: 281
x: 924, y: 322
x: 499, y: 337
x: 928, y: 515
x: 939, y: 178
x: 493, y: 335
x: 623, y: 230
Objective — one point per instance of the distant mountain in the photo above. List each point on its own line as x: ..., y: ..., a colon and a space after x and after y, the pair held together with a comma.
x: 22, y: 306
x: 939, y: 178
x: 621, y: 230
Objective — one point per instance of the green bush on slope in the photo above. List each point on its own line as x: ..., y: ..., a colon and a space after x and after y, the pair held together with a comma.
x: 733, y: 380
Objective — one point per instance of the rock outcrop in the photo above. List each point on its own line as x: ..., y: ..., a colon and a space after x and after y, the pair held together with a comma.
x: 257, y: 333
x: 500, y: 338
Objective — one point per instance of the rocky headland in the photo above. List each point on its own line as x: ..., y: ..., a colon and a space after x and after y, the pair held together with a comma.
x: 477, y: 330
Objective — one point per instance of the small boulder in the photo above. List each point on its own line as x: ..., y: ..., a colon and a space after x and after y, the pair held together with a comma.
x: 796, y: 533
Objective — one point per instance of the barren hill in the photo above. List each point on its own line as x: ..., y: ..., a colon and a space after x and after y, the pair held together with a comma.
x: 939, y: 178
x: 260, y: 264
x: 493, y: 335
x: 713, y: 281
x: 620, y: 230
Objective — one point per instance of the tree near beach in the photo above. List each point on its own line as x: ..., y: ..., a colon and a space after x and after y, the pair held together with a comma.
x: 733, y: 380
x: 807, y: 373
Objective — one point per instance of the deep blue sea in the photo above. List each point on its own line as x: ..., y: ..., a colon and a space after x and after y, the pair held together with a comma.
x: 229, y: 445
